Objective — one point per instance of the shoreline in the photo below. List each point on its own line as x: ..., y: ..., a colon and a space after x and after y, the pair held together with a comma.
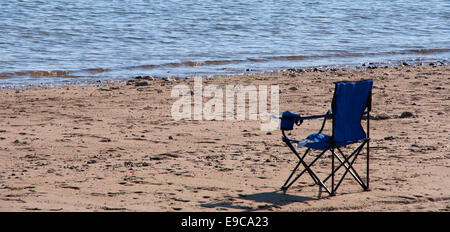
x: 86, y: 81
x: 115, y: 147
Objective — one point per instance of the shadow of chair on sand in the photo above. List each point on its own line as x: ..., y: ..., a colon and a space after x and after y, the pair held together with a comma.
x: 274, y: 199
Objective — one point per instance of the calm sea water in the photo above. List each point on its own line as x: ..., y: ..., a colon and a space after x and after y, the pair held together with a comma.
x: 53, y: 40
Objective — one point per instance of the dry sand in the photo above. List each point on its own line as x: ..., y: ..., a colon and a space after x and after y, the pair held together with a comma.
x: 116, y: 147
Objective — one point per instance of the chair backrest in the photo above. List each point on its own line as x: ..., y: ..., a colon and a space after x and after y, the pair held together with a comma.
x: 349, y: 103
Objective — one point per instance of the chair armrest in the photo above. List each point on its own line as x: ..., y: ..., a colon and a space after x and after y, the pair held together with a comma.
x: 291, y: 115
x: 288, y: 119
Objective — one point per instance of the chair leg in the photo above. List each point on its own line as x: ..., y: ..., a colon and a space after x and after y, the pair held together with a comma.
x: 284, y: 188
x: 306, y: 168
x: 332, y: 173
x: 285, y: 185
x: 368, y: 143
x: 342, y: 163
x: 367, y: 166
x: 350, y: 168
x: 346, y: 163
x: 314, y: 177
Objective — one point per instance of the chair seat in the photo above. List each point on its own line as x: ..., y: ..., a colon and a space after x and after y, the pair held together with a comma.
x: 318, y: 141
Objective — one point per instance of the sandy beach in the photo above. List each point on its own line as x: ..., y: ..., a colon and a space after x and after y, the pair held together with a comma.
x: 117, y: 148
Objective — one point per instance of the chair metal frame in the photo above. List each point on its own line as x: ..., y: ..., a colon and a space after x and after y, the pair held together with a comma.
x: 333, y: 147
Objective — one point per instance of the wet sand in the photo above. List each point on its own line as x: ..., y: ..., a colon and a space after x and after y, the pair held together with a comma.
x: 117, y: 148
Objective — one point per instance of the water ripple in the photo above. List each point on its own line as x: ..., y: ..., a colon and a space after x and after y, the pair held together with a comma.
x: 110, y: 39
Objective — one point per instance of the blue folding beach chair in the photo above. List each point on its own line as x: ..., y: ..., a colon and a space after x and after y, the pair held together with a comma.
x: 350, y: 102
